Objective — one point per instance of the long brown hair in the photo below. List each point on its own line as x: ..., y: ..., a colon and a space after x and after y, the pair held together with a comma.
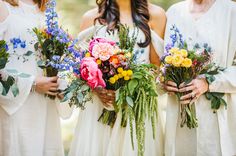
x: 41, y: 3
x: 110, y: 16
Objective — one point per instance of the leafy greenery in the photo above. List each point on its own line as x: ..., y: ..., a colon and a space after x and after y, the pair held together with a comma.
x: 9, y: 82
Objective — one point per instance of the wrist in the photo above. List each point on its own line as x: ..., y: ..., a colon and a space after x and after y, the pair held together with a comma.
x: 33, y: 87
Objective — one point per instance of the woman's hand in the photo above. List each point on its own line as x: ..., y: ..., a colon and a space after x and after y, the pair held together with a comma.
x: 47, y: 85
x: 170, y: 87
x: 107, y: 96
x: 196, y: 88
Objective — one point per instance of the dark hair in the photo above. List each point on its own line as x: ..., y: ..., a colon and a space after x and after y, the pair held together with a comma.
x: 110, y: 16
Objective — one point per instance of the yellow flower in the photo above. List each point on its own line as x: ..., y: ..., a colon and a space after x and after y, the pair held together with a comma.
x: 174, y: 50
x: 177, y: 53
x: 99, y: 61
x: 177, y: 60
x: 169, y: 59
x: 120, y: 70
x: 126, y: 78
x: 162, y: 78
x: 120, y: 76
x: 184, y: 52
x: 129, y: 72
x: 187, y: 63
x: 128, y: 55
x: 112, y: 80
x: 116, y: 77
x: 87, y: 54
x: 124, y: 73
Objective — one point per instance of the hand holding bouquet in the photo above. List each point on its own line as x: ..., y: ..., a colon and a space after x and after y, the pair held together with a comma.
x: 181, y: 65
x: 110, y: 65
x: 56, y: 46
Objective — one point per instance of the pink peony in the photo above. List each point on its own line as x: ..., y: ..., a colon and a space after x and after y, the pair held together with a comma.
x: 99, y: 40
x: 91, y: 73
x: 103, y: 51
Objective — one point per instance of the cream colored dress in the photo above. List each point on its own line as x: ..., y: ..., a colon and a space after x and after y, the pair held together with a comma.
x: 92, y: 138
x: 29, y: 123
x: 216, y: 133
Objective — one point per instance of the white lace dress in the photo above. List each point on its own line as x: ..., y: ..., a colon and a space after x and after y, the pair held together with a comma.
x: 95, y: 139
x: 29, y: 123
x: 215, y: 135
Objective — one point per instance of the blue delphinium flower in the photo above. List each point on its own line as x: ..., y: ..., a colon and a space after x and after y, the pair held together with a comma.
x: 18, y: 42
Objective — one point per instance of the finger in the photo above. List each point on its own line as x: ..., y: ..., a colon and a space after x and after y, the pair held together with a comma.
x: 171, y: 83
x: 52, y: 93
x: 53, y: 89
x: 54, y: 79
x: 54, y: 85
x: 188, y: 96
x: 186, y: 89
x: 186, y: 102
x: 60, y: 96
x: 171, y: 89
x: 182, y: 85
x: 171, y: 93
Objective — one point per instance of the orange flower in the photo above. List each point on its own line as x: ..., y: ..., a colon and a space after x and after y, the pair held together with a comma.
x: 114, y: 59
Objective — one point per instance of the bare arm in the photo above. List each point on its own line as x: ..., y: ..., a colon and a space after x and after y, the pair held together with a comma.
x: 158, y: 24
x: 88, y: 19
x: 3, y: 12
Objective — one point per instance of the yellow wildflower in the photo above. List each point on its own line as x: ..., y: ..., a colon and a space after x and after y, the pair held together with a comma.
x: 129, y: 72
x: 174, y: 50
x: 116, y: 77
x: 124, y: 73
x: 120, y: 70
x: 126, y: 78
x: 112, y: 80
x: 177, y: 60
x: 99, y: 61
x: 184, y: 52
x: 87, y: 54
x: 169, y: 59
x: 187, y: 63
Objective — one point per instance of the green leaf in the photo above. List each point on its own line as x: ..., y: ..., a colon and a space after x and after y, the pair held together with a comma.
x: 12, y: 71
x: 137, y: 76
x: 130, y: 101
x: 3, y: 62
x: 15, y: 90
x: 208, y: 96
x: 41, y: 64
x: 84, y: 88
x: 23, y: 75
x: 36, y: 46
x: 80, y: 97
x: 67, y: 96
x: 132, y: 85
x: 28, y: 53
x: 117, y: 95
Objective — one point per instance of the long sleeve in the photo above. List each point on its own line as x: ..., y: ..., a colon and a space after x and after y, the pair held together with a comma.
x: 10, y: 103
x: 225, y: 81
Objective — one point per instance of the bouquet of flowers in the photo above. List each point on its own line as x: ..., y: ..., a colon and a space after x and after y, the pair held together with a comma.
x: 182, y: 64
x: 7, y: 82
x: 110, y: 65
x: 54, y: 44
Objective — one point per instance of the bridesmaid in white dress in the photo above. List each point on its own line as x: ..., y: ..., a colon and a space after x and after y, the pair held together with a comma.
x: 91, y: 137
x: 212, y: 22
x: 29, y: 123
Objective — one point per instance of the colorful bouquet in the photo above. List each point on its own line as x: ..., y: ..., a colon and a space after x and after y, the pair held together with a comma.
x: 55, y: 44
x: 110, y: 65
x: 182, y: 64
x: 7, y: 82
